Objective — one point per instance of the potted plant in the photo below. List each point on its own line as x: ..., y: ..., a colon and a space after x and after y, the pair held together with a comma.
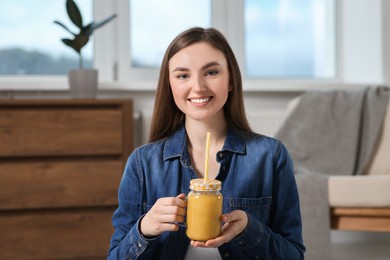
x: 83, y: 82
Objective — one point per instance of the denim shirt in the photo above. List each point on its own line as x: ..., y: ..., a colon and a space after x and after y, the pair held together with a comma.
x: 257, y: 177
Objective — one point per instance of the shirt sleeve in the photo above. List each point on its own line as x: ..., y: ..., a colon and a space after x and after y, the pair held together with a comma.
x: 127, y: 241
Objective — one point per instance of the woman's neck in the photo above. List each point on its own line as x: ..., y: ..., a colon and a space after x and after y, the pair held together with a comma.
x: 197, y: 136
x: 197, y: 132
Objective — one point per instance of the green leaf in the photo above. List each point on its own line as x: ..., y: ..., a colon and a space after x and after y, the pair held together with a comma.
x: 101, y: 23
x: 74, y: 13
x: 71, y: 44
x: 77, y: 43
x: 88, y: 29
x: 63, y: 26
x: 80, y: 41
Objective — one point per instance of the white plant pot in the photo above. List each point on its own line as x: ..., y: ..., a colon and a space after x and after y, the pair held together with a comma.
x: 83, y: 83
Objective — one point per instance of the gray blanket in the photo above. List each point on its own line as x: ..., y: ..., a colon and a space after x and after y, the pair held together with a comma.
x: 335, y: 132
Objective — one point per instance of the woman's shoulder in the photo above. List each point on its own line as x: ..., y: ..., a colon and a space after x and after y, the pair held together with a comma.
x: 263, y: 142
x: 261, y: 138
x: 150, y: 147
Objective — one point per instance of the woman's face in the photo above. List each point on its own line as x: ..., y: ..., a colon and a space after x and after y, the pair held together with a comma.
x: 199, y: 79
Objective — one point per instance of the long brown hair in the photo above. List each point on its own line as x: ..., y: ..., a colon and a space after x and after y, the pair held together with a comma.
x: 167, y: 117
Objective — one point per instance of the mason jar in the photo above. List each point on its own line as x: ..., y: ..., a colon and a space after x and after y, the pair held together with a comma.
x: 204, y: 210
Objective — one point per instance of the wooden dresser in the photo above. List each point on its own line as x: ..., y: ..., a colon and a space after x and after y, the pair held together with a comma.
x: 61, y: 162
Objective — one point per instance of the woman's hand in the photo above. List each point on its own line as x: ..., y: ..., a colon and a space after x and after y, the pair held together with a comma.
x: 235, y: 223
x: 163, y: 215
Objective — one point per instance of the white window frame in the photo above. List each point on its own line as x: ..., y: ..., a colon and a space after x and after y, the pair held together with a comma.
x: 359, y: 45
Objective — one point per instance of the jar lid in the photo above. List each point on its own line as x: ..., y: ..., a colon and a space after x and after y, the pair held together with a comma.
x: 201, y: 185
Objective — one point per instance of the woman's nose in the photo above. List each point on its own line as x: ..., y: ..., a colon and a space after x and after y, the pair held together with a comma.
x: 198, y: 84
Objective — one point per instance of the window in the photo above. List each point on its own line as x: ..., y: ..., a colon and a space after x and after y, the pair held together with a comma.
x: 154, y: 23
x: 31, y: 42
x: 282, y: 39
x: 147, y: 27
x: 289, y: 39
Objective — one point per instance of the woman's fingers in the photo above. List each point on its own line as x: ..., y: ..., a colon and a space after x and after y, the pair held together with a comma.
x: 168, y: 211
x: 172, y: 201
x: 181, y: 196
x: 163, y: 215
x: 235, y: 215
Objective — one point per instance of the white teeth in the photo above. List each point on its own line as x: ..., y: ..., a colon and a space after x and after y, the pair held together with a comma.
x: 199, y: 100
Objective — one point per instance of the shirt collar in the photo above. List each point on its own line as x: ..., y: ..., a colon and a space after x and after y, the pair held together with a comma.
x: 176, y: 144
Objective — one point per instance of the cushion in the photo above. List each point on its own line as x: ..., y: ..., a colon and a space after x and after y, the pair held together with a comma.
x: 359, y: 191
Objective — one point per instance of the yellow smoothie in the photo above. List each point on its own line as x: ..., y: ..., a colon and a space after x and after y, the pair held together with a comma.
x: 204, y: 210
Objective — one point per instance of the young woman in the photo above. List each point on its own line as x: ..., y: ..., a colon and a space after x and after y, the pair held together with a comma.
x: 199, y: 91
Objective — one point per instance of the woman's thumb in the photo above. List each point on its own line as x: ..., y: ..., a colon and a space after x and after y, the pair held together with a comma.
x: 181, y: 196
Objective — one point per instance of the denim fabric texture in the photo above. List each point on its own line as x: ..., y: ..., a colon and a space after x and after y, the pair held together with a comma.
x: 257, y: 177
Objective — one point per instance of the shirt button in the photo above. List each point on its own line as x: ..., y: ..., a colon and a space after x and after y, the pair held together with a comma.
x: 220, y: 155
x: 226, y: 255
x: 240, y: 243
x: 139, y: 244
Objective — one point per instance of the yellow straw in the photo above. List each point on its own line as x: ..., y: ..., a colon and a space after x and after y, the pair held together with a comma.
x: 206, y: 164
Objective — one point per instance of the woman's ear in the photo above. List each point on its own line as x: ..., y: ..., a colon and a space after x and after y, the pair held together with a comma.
x: 230, y: 87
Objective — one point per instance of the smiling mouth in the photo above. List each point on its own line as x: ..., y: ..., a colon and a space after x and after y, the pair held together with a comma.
x: 200, y: 100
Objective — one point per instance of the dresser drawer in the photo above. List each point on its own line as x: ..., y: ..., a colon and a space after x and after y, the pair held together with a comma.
x: 59, y: 183
x: 58, y: 131
x: 78, y: 234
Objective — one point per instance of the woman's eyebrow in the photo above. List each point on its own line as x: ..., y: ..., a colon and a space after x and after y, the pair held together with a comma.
x: 210, y: 64
x: 180, y: 69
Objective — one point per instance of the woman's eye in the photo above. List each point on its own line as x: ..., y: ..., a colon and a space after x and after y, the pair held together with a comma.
x: 182, y: 76
x: 212, y: 72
